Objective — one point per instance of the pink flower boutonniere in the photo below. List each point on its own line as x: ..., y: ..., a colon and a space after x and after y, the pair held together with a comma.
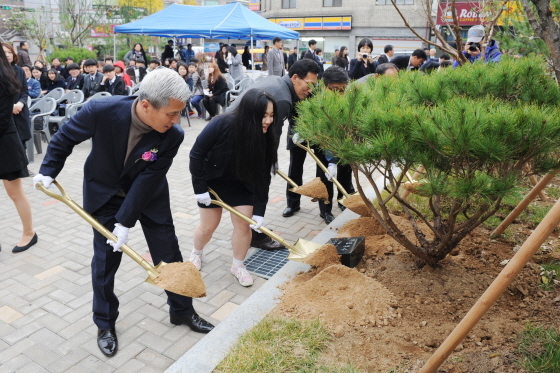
x: 149, y: 156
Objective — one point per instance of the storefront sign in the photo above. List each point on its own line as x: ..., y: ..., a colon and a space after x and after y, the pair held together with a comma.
x: 255, y: 4
x: 315, y: 23
x: 470, y: 13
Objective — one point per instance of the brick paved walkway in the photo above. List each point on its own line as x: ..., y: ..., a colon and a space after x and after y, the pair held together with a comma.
x: 46, y: 295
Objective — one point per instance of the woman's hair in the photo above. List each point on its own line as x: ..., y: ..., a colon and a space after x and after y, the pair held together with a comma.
x: 14, y: 54
x: 56, y: 75
x: 255, y: 152
x: 365, y: 42
x: 179, y: 64
x: 10, y: 84
x: 341, y: 53
x: 141, y: 47
x: 232, y: 50
x: 266, y: 47
x: 41, y: 62
x: 217, y: 73
x: 246, y: 49
x: 221, y: 54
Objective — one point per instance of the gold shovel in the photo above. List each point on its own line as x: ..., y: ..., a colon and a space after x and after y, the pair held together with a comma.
x: 314, y: 198
x: 326, y: 170
x: 155, y: 275
x: 300, y: 250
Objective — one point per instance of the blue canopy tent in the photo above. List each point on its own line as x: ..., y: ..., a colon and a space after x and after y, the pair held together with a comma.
x: 215, y: 22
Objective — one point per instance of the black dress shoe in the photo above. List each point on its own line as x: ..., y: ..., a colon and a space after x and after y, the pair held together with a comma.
x: 193, y: 321
x: 327, y: 217
x: 341, y: 207
x: 19, y: 249
x: 267, y: 244
x: 107, y: 341
x: 290, y: 211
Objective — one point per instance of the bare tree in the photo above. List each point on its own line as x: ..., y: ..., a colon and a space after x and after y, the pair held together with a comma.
x: 77, y: 17
x: 541, y: 17
x: 34, y: 26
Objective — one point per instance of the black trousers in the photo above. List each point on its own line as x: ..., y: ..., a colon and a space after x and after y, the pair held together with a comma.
x: 163, y: 245
x: 295, y: 172
x: 211, y: 104
x: 344, y: 177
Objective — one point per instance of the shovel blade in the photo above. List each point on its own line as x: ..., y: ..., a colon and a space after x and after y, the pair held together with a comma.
x: 151, y: 278
x: 175, y: 282
x: 302, y: 248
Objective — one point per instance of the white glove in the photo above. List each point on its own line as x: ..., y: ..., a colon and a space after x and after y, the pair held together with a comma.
x: 297, y: 139
x: 122, y: 237
x: 204, y: 198
x: 332, y: 171
x: 46, y: 180
x: 259, y: 220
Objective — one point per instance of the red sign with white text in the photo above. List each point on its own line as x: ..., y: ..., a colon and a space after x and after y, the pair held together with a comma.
x: 468, y: 14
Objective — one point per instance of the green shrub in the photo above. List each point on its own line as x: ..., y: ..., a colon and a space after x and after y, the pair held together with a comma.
x: 76, y: 54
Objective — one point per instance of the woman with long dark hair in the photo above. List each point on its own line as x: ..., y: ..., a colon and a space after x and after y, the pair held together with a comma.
x: 54, y: 80
x: 217, y: 88
x: 234, y: 155
x: 264, y: 58
x: 342, y: 59
x: 14, y: 166
x: 222, y: 58
x: 246, y: 58
x: 363, y: 64
x: 135, y: 53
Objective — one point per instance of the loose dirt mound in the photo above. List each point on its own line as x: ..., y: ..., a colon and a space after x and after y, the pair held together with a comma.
x: 356, y: 203
x: 314, y: 189
x: 181, y: 278
x: 342, y: 297
x: 363, y: 226
x: 323, y: 257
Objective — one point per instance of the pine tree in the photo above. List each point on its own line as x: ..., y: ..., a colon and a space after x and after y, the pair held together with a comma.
x: 473, y: 129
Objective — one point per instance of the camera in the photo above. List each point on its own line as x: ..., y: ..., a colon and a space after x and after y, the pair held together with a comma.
x: 365, y: 56
x: 474, y: 46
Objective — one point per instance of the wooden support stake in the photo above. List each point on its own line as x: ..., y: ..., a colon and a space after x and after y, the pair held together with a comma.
x: 524, y: 203
x: 498, y: 286
x: 416, y: 175
x: 535, y: 182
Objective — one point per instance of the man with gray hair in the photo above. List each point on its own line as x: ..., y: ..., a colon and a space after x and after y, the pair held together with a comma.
x: 134, y: 141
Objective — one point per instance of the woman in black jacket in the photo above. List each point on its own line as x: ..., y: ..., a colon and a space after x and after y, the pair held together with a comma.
x: 246, y: 58
x: 222, y: 60
x: 54, y: 81
x: 20, y: 109
x: 234, y: 155
x: 364, y: 64
x: 14, y: 165
x: 217, y: 88
x: 342, y: 59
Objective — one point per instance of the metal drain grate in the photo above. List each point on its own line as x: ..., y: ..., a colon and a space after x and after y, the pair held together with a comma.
x: 266, y: 263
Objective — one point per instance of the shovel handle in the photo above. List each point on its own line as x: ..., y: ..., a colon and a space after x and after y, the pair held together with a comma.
x: 285, y: 177
x: 63, y: 197
x: 326, y: 170
x: 218, y: 201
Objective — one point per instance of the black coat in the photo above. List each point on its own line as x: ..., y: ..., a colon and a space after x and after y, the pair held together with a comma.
x: 358, y: 70
x: 211, y: 154
x: 223, y: 65
x: 117, y: 88
x: 219, y: 89
x: 90, y: 88
x: 22, y: 119
x: 11, y: 147
x: 402, y: 62
x: 382, y: 59
x: 342, y: 62
x: 77, y: 84
x: 55, y: 84
x: 292, y: 59
x: 246, y: 59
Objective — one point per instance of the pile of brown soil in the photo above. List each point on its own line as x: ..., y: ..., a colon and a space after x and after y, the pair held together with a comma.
x: 356, y: 203
x: 342, y: 297
x: 364, y: 226
x: 181, y: 278
x: 314, y: 189
x: 323, y: 257
x: 430, y: 302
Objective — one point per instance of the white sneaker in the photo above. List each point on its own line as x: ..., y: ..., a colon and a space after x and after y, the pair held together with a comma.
x: 242, y: 275
x: 196, y: 259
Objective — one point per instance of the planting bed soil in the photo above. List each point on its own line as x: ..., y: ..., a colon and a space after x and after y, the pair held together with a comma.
x: 386, y: 315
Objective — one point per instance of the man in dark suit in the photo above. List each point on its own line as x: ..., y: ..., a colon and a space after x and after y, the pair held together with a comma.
x: 76, y: 78
x: 92, y: 79
x: 292, y: 58
x: 112, y: 83
x: 412, y: 62
x: 134, y: 141
x: 388, y: 53
x: 310, y: 53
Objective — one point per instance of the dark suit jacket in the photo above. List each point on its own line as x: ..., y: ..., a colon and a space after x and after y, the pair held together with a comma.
x: 22, y: 119
x: 117, y: 88
x: 292, y: 59
x: 11, y: 147
x: 358, y: 70
x: 382, y: 59
x: 401, y: 62
x: 210, y: 155
x: 78, y: 84
x: 219, y: 89
x: 90, y: 88
x: 107, y: 122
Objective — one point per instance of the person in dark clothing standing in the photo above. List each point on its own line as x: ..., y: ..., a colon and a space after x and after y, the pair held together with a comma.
x: 167, y: 51
x: 111, y: 82
x: 292, y: 58
x: 363, y: 64
x: 217, y: 88
x: 287, y: 91
x: 388, y: 53
x: 342, y: 58
x: 310, y: 53
x: 241, y: 146
x: 23, y: 54
x: 246, y: 58
x: 222, y: 59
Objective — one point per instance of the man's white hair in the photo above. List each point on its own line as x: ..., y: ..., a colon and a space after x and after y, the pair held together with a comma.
x: 161, y: 85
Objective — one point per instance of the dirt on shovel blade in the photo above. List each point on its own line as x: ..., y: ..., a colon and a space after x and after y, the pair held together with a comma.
x: 416, y: 188
x: 314, y: 189
x: 181, y: 278
x: 356, y: 203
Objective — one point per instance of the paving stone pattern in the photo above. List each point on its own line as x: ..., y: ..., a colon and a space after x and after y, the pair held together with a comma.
x: 45, y: 293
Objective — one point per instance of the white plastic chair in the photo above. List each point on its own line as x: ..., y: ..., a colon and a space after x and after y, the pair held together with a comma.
x: 100, y: 94
x: 41, y: 109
